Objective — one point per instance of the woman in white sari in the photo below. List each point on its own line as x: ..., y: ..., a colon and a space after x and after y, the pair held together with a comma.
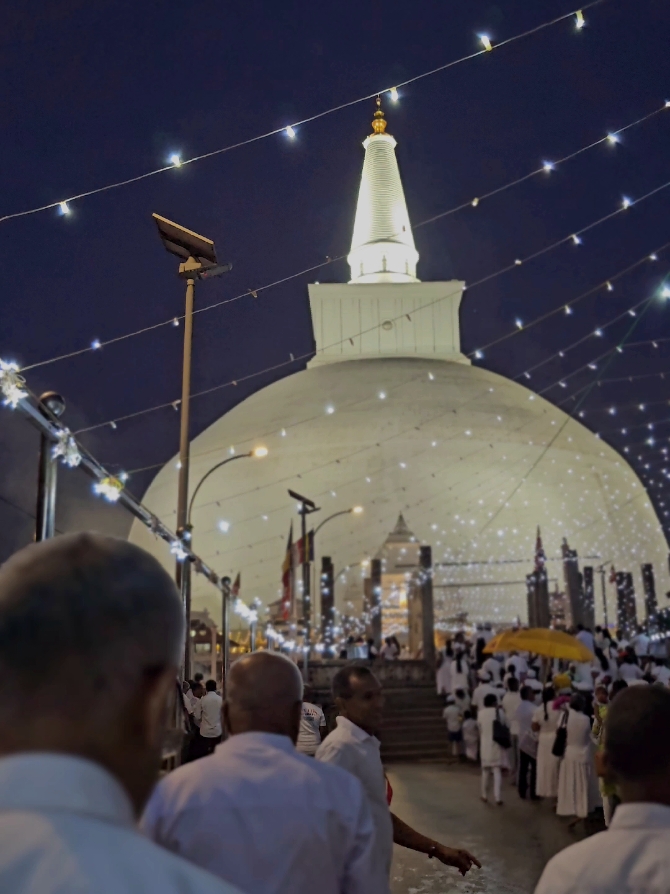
x: 545, y: 723
x: 578, y: 791
x: 443, y: 676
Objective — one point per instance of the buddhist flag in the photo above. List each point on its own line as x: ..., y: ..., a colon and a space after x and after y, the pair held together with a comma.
x: 235, y: 592
x: 303, y: 552
x: 612, y: 575
x: 287, y: 578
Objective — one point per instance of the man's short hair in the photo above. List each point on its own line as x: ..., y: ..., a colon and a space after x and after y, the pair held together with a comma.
x: 83, y: 615
x: 526, y: 692
x: 342, y: 680
x: 513, y: 684
x: 210, y: 685
x: 637, y: 732
x: 490, y: 700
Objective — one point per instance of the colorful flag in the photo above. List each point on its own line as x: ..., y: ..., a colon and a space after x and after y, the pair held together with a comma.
x: 299, y: 556
x: 612, y: 575
x: 540, y: 557
x: 287, y: 578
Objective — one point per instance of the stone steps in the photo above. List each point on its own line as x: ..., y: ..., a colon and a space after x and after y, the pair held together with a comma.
x: 413, y: 728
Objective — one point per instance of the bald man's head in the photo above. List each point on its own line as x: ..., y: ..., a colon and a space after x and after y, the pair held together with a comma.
x: 263, y: 694
x: 82, y: 612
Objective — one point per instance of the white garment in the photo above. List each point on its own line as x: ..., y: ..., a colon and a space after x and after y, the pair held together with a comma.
x: 207, y: 714
x: 443, y: 677
x: 463, y: 703
x: 547, y: 764
x: 640, y: 643
x: 389, y: 652
x: 481, y: 692
x: 264, y: 817
x: 630, y: 672
x: 578, y: 792
x: 452, y: 714
x: 519, y: 663
x: 586, y: 638
x: 523, y: 718
x: 67, y: 827
x: 471, y: 739
x: 631, y: 857
x: 496, y: 772
x: 460, y: 679
x: 510, y: 702
x: 490, y: 752
x: 661, y: 674
x: 494, y: 667
x: 312, y: 722
x: 350, y: 747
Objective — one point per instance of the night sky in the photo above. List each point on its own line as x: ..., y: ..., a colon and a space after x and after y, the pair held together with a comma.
x: 95, y: 92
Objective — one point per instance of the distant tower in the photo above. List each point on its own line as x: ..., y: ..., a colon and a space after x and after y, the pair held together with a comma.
x: 538, y: 593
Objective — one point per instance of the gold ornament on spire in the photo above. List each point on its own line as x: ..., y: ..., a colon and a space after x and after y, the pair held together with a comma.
x: 379, y: 122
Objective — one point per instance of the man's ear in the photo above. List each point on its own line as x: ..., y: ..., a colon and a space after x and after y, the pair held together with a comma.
x: 157, y: 689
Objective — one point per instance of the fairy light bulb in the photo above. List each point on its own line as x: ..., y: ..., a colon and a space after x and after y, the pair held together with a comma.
x: 486, y: 42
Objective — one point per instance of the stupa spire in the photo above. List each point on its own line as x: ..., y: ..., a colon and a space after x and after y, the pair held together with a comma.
x: 382, y: 247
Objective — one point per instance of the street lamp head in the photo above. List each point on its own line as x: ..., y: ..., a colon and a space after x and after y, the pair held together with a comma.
x: 260, y: 452
x: 357, y: 510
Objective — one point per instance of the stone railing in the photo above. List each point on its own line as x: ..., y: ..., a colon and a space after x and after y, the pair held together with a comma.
x: 391, y: 674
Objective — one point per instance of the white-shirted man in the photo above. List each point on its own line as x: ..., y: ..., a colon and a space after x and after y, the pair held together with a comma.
x: 207, y: 715
x: 494, y: 669
x: 354, y: 746
x: 258, y: 813
x: 107, y: 623
x: 633, y: 855
x: 312, y: 725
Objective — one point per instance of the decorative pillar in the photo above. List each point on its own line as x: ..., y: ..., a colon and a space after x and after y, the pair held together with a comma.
x: 327, y: 605
x: 427, y: 611
x: 649, y: 584
x: 589, y: 608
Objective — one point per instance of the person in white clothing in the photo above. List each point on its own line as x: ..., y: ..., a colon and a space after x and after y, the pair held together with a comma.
x: 354, y: 746
x: 460, y: 671
x: 258, y: 813
x: 443, y: 675
x: 545, y: 724
x: 494, y: 668
x: 533, y: 683
x: 661, y: 672
x: 633, y: 855
x: 578, y: 792
x: 509, y: 703
x: 106, y: 621
x: 312, y: 726
x: 207, y: 715
x: 520, y: 665
x: 586, y: 638
x: 470, y: 737
x: 527, y: 773
x: 490, y: 752
x: 630, y: 670
x: 484, y: 687
x: 454, y: 719
x: 640, y: 644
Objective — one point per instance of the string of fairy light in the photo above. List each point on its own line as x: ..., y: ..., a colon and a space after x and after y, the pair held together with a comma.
x: 290, y: 131
x: 611, y: 138
x: 546, y: 169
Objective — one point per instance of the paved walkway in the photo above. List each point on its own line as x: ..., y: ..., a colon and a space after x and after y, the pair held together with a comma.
x: 513, y: 842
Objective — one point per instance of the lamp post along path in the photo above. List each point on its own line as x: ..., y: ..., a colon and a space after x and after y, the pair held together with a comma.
x: 199, y: 261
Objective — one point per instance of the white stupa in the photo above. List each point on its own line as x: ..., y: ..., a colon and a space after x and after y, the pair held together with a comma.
x: 391, y: 416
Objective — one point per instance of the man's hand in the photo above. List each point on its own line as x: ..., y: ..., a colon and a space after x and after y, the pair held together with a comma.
x: 460, y: 859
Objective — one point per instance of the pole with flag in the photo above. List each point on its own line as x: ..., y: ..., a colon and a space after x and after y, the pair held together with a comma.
x: 287, y: 578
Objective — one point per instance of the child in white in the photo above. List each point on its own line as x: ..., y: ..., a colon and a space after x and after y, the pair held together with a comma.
x: 452, y: 714
x: 492, y: 755
x: 470, y: 732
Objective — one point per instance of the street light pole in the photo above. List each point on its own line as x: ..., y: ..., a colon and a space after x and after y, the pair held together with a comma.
x: 356, y: 510
x: 50, y: 404
x: 306, y: 508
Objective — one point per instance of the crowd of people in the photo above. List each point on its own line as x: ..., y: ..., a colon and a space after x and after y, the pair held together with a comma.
x: 545, y: 738
x: 91, y: 631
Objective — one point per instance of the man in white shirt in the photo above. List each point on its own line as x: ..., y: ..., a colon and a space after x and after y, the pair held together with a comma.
x: 633, y: 855
x: 258, y: 813
x: 494, y: 669
x: 354, y: 746
x: 312, y: 726
x: 585, y: 637
x: 106, y: 621
x: 640, y: 644
x: 660, y: 671
x: 484, y: 688
x: 207, y: 715
x: 523, y: 718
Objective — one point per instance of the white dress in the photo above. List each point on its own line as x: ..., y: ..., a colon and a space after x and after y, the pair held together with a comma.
x: 578, y: 791
x: 460, y: 679
x: 491, y: 754
x: 547, y: 764
x: 443, y: 677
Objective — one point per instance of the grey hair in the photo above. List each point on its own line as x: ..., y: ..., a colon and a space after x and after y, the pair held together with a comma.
x: 84, y: 614
x: 262, y: 681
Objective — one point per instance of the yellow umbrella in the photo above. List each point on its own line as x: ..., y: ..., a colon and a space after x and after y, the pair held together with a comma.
x: 541, y: 641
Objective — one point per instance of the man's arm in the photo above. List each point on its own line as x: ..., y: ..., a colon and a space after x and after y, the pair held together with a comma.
x: 406, y: 836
